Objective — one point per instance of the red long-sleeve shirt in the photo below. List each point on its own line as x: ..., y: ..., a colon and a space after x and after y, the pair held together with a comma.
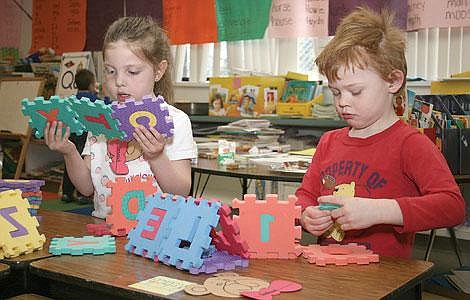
x: 398, y: 163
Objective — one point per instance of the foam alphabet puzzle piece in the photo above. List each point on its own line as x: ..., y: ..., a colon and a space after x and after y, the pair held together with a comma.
x: 192, y: 229
x: 18, y: 229
x: 268, y: 226
x: 339, y: 255
x: 150, y: 111
x: 220, y: 261
x: 127, y: 198
x: 154, y: 225
x: 41, y: 111
x: 83, y: 245
x: 228, y: 238
x: 22, y: 184
x: 276, y: 287
x: 99, y: 229
x: 226, y: 285
x: 117, y: 152
x: 96, y: 117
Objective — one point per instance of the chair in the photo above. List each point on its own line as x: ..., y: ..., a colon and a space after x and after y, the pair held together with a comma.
x: 453, y: 240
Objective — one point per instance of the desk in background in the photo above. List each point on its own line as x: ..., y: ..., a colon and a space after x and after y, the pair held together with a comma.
x: 260, y: 172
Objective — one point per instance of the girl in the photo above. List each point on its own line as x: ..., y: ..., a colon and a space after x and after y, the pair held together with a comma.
x: 137, y: 62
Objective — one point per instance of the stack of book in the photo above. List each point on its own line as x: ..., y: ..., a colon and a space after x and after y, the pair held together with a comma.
x: 251, y: 132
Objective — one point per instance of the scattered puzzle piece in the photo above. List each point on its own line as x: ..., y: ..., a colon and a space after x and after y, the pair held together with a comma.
x: 83, y: 245
x: 99, y: 229
x: 276, y: 287
x: 149, y: 112
x: 268, y: 226
x: 220, y: 261
x: 339, y: 255
x: 226, y: 285
x: 18, y: 229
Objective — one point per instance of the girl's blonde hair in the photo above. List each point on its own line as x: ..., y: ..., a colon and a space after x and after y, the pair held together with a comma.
x: 148, y: 41
x: 365, y: 39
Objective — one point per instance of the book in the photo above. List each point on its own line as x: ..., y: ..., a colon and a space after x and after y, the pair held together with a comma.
x: 299, y: 91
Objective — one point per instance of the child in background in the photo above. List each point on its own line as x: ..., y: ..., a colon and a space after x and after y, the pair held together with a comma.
x: 402, y: 182
x: 86, y: 85
x: 137, y: 62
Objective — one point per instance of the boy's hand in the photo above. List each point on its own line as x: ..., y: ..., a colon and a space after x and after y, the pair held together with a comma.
x: 55, y: 140
x: 151, y: 141
x: 355, y: 212
x: 316, y: 221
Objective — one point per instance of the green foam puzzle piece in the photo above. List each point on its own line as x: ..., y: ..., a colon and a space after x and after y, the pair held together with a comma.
x: 41, y: 111
x: 96, y: 116
x: 84, y: 245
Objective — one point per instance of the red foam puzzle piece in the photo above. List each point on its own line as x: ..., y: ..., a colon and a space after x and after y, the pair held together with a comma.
x: 269, y: 227
x: 228, y: 238
x: 134, y: 191
x: 339, y: 255
x: 276, y: 287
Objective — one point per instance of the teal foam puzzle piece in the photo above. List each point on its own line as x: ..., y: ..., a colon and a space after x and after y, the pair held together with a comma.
x: 83, y: 245
x: 96, y: 117
x: 41, y: 111
x: 328, y: 206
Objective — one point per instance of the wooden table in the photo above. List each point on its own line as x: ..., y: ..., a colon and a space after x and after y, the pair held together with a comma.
x: 4, y: 270
x: 53, y: 224
x: 108, y: 276
x: 261, y: 172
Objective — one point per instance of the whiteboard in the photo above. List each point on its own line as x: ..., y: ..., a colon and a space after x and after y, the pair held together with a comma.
x: 12, y: 91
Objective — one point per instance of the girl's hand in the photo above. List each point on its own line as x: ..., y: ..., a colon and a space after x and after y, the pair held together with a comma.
x: 355, y: 212
x: 316, y: 221
x: 150, y: 140
x: 55, y: 140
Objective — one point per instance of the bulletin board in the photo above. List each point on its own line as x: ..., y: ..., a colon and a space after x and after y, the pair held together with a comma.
x: 13, y: 124
x: 12, y: 91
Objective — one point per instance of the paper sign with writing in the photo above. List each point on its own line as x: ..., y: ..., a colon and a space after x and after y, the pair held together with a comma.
x: 161, y: 285
x: 60, y: 25
x: 242, y: 19
x: 190, y: 21
x: 338, y: 9
x: 10, y: 24
x: 71, y: 62
x: 298, y: 18
x: 437, y: 13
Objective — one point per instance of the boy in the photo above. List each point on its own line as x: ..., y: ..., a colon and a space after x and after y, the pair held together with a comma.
x: 400, y: 181
x: 86, y: 85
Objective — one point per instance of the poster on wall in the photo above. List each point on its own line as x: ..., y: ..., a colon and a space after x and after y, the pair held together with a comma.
x: 70, y: 63
x: 60, y: 25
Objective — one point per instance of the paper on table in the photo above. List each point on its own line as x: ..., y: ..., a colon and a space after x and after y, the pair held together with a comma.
x: 306, y: 152
x: 161, y: 285
x: 461, y: 279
